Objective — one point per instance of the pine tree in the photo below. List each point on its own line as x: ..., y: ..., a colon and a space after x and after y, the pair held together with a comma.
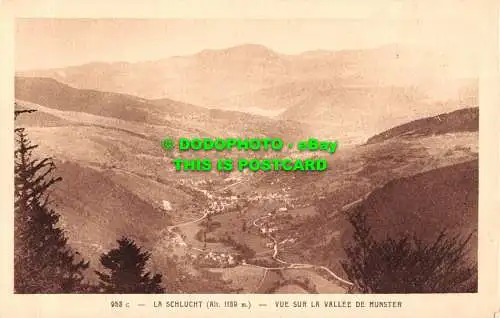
x: 407, y: 264
x: 43, y: 261
x: 127, y: 266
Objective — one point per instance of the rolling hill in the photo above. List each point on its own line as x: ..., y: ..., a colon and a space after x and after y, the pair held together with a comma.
x: 96, y: 210
x: 424, y: 205
x: 434, y: 166
x: 229, y: 77
x: 420, y: 175
x: 444, y: 198
x: 461, y: 120
x: 116, y: 176
x: 172, y: 118
x: 440, y: 199
x: 348, y: 94
x: 355, y: 170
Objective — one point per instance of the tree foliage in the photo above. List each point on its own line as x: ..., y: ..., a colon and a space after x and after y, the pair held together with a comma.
x: 127, y: 271
x: 407, y: 264
x: 43, y: 261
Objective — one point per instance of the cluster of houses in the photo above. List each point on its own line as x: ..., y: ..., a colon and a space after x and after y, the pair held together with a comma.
x: 221, y: 204
x: 193, y: 182
x: 284, y: 199
x: 218, y: 205
x: 279, y: 210
x: 268, y: 230
x: 269, y: 196
x: 215, y: 259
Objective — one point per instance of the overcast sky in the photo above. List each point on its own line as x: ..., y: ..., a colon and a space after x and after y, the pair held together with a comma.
x: 47, y: 43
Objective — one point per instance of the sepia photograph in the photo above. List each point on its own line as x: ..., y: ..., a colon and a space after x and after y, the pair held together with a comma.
x: 100, y: 208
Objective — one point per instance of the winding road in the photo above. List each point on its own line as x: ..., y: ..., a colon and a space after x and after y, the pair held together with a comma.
x: 275, y: 248
x: 293, y: 265
x: 179, y: 237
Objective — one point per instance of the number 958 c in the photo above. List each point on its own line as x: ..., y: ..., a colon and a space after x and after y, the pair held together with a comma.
x: 118, y: 304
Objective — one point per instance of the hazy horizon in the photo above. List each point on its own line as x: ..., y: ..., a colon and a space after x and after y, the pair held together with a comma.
x: 59, y: 43
x: 219, y: 49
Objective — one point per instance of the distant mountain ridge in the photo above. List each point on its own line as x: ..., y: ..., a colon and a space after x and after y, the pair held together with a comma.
x: 346, y: 94
x: 211, y: 76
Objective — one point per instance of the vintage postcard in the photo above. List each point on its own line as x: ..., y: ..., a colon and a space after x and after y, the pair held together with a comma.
x: 226, y: 158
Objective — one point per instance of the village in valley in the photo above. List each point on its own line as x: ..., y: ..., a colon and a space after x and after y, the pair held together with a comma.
x: 259, y: 215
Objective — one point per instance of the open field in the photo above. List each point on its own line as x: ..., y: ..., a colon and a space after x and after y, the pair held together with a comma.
x: 245, y: 277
